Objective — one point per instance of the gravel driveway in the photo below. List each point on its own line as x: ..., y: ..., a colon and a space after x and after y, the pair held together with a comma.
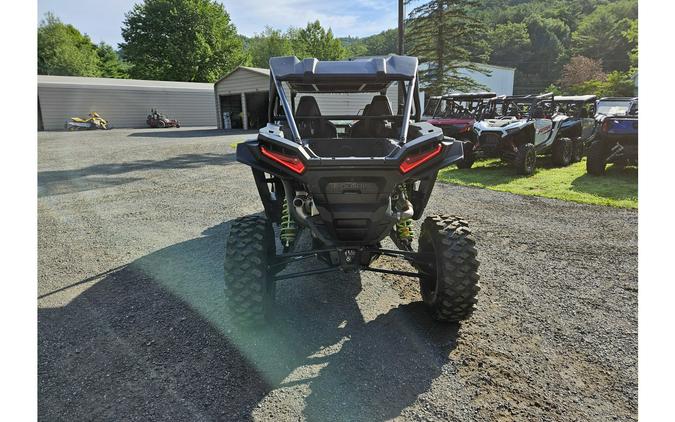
x: 131, y: 322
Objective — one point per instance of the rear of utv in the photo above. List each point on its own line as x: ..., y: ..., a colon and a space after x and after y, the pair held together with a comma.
x: 616, y: 141
x: 350, y: 180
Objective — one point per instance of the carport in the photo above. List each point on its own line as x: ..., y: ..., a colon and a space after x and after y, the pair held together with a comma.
x: 242, y: 97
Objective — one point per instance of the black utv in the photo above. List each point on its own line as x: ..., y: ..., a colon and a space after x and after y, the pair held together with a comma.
x: 350, y: 180
x: 580, y: 125
x: 616, y: 140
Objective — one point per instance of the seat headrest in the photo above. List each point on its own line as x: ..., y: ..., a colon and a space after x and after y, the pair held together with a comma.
x: 379, y: 106
x: 307, y: 106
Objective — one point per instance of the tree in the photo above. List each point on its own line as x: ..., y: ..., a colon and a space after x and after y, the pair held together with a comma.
x: 631, y: 35
x: 315, y: 41
x: 581, y: 69
x: 270, y: 43
x: 181, y: 40
x: 446, y: 37
x: 548, y: 37
x: 600, y: 34
x: 63, y: 50
x: 110, y: 64
x: 617, y: 84
x: 511, y: 45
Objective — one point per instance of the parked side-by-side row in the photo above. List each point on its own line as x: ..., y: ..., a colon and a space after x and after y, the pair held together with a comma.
x: 518, y: 128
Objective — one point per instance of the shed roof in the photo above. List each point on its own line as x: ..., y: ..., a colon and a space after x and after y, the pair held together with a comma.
x: 258, y: 70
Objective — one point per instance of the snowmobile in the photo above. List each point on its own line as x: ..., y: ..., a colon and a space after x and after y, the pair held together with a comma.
x: 93, y: 121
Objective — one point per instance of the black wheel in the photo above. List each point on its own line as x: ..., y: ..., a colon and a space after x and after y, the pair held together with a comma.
x: 577, y: 150
x: 469, y: 158
x: 562, y: 151
x: 249, y: 288
x: 161, y: 123
x: 177, y: 125
x: 597, y: 157
x: 451, y: 292
x: 526, y: 159
x: 620, y: 165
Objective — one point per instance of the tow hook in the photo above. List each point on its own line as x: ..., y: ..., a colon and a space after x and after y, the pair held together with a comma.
x: 349, y: 260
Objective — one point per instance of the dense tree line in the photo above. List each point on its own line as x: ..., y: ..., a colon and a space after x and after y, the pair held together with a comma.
x: 565, y: 46
x: 64, y: 51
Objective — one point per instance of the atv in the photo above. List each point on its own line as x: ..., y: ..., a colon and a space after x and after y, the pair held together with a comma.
x: 156, y: 119
x: 581, y: 124
x: 93, y: 121
x: 348, y: 189
x: 616, y: 140
x: 517, y: 128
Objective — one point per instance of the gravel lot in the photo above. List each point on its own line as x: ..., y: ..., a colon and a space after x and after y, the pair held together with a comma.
x: 132, y: 327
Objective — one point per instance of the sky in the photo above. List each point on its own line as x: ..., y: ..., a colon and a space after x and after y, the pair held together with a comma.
x: 102, y: 20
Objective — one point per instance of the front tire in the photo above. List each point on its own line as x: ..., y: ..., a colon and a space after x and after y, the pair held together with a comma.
x: 469, y: 159
x: 526, y: 159
x: 249, y: 288
x: 562, y: 152
x: 597, y: 159
x: 451, y: 290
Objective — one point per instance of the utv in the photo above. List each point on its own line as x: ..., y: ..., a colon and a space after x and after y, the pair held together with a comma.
x: 517, y: 128
x: 616, y: 140
x: 350, y: 188
x: 455, y: 114
x: 580, y: 125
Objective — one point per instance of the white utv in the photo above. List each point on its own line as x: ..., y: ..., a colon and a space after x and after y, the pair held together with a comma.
x: 518, y: 128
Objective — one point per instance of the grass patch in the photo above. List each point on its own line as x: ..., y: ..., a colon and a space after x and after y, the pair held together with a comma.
x: 617, y: 188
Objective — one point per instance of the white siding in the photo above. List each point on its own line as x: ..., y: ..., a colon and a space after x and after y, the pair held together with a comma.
x: 124, y: 103
x: 500, y: 80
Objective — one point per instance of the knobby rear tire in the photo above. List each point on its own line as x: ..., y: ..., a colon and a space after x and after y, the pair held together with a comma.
x: 451, y: 293
x: 249, y: 289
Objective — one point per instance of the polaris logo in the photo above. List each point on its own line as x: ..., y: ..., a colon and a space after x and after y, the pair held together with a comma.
x: 351, y: 187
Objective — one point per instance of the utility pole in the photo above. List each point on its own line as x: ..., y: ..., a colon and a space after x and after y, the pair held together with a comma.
x: 401, y: 50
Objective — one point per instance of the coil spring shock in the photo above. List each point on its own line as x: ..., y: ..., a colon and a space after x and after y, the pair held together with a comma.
x: 288, y: 227
x: 404, y: 230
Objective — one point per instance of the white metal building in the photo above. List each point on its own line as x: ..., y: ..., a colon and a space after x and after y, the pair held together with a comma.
x: 498, y: 80
x: 123, y: 102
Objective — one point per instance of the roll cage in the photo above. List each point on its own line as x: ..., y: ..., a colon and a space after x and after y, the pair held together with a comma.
x: 630, y: 105
x: 578, y: 106
x: 290, y: 76
x: 521, y: 106
x: 459, y: 105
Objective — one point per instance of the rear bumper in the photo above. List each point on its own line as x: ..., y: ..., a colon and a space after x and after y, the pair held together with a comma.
x: 352, y: 194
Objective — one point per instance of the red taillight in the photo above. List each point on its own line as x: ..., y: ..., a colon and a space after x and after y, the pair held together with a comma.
x: 605, y: 126
x: 416, y: 160
x: 292, y: 163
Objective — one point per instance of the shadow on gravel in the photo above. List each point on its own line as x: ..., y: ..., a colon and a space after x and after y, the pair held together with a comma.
x: 152, y: 341
x: 58, y: 182
x: 191, y: 133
